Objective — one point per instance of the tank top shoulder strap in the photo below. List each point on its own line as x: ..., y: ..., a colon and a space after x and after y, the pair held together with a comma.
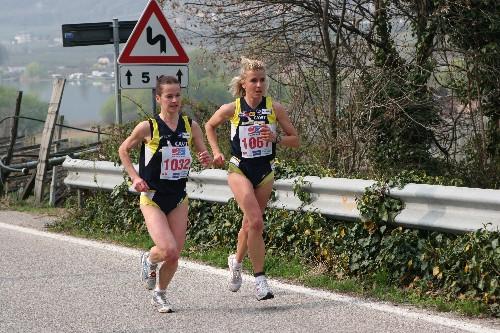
x: 269, y: 102
x: 235, y: 119
x: 187, y: 124
x: 269, y: 106
x: 155, y: 134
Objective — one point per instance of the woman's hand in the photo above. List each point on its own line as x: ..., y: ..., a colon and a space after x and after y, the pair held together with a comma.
x: 267, y: 134
x: 140, y: 185
x: 219, y: 159
x: 204, y: 158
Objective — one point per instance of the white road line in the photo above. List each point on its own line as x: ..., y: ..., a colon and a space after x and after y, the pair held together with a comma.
x: 397, y: 310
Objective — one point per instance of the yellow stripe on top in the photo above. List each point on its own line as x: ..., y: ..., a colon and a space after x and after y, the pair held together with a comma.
x: 152, y: 146
x: 188, y: 129
x: 155, y: 140
x: 269, y: 106
x: 235, y: 120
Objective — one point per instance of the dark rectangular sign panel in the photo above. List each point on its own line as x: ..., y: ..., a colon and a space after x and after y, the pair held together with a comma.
x: 99, y: 33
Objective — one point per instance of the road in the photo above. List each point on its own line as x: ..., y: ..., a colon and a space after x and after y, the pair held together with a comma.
x: 56, y: 283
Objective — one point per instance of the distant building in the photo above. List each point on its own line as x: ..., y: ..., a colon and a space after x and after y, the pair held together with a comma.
x: 16, y: 69
x: 100, y: 74
x: 75, y: 76
x: 103, y: 61
x: 22, y: 38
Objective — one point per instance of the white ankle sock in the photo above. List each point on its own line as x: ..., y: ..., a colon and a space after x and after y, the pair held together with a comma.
x: 260, y: 278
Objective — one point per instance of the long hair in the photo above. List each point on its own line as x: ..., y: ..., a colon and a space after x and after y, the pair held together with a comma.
x: 236, y: 84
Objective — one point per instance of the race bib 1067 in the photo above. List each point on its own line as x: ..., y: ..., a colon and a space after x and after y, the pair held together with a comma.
x: 252, y: 144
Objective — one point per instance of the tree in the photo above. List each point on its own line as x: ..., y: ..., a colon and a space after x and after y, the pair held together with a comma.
x: 33, y: 70
x: 300, y: 41
x: 472, y: 52
x: 31, y: 106
x: 363, y: 76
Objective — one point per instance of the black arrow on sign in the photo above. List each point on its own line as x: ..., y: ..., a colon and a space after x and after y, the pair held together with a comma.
x: 128, y: 75
x: 179, y: 75
x: 158, y: 38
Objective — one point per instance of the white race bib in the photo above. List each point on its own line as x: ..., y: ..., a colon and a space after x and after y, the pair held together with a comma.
x: 252, y: 144
x: 175, y: 162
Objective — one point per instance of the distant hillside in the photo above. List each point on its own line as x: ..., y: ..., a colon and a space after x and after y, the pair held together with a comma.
x: 41, y: 20
x: 47, y: 16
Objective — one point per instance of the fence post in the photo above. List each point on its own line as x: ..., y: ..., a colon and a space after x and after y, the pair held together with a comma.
x: 13, y: 137
x: 48, y: 131
x: 52, y: 195
x: 59, y: 130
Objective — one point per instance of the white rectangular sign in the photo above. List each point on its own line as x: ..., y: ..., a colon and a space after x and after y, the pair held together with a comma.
x: 144, y: 76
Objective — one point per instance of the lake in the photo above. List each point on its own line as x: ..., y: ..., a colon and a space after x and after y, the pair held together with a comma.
x: 81, y: 102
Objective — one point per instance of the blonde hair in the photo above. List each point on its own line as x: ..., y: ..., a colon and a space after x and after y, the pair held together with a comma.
x: 236, y: 84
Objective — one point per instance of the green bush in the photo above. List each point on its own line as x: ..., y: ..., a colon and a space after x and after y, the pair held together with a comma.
x: 454, y: 266
x: 374, y: 250
x: 106, y: 213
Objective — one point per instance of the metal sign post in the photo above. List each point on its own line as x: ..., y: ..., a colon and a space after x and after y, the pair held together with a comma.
x: 118, y: 94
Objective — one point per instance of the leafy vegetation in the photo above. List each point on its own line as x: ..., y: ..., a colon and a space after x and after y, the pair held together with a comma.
x: 398, y: 91
x: 373, y: 256
x: 376, y: 86
x: 31, y: 106
x: 379, y: 257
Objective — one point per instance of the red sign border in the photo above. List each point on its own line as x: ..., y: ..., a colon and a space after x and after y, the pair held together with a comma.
x: 126, y: 57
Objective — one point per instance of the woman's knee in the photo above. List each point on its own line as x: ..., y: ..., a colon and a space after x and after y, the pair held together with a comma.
x: 255, y: 224
x: 170, y: 254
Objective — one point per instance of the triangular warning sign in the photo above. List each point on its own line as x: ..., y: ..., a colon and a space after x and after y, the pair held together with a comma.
x: 153, y: 41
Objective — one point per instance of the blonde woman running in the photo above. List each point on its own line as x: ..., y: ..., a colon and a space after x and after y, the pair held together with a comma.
x: 255, y: 119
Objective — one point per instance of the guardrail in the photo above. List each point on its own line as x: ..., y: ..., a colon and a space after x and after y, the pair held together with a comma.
x: 434, y: 207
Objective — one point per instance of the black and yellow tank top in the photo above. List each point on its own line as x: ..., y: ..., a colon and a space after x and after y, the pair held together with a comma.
x: 165, y: 161
x: 246, y: 122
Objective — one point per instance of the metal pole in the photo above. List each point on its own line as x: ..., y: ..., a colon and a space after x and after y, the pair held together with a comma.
x: 118, y: 94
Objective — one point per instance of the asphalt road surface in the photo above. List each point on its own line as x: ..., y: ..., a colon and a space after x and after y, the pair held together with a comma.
x: 56, y: 283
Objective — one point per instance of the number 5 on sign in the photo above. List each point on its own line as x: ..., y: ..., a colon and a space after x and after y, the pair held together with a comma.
x: 144, y: 76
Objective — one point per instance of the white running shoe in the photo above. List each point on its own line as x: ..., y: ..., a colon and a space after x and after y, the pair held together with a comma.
x: 235, y: 279
x: 159, y: 300
x: 148, y: 272
x: 262, y: 290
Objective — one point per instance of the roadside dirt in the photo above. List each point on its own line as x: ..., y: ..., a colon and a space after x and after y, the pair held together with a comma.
x: 29, y: 220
